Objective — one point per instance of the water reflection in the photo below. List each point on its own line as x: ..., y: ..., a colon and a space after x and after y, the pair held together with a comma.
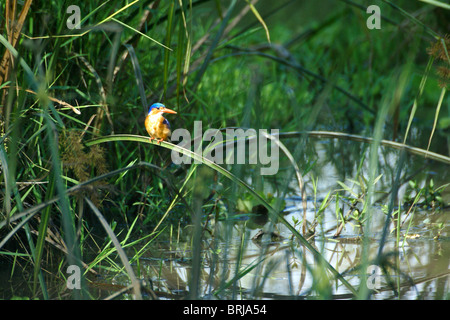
x: 285, y: 272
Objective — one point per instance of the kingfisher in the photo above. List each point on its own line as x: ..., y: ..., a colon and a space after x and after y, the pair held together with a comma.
x: 157, y: 126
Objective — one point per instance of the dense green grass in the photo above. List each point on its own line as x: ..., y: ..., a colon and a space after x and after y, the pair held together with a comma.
x: 76, y: 168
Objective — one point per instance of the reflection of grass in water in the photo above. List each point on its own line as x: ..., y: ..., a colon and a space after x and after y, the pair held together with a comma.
x: 221, y: 72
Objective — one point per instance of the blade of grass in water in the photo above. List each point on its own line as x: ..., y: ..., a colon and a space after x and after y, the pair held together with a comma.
x: 391, y: 99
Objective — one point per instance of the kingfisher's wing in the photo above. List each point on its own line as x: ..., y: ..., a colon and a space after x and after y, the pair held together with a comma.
x: 166, y: 122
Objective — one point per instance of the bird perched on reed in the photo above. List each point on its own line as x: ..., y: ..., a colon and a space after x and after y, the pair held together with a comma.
x: 156, y: 125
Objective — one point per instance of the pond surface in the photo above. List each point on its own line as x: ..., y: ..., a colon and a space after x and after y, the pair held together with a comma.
x: 283, y: 270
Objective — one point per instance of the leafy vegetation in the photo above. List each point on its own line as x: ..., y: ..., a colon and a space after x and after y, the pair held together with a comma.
x: 82, y: 185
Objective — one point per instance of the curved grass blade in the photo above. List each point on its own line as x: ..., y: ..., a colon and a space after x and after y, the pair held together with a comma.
x: 8, y: 182
x: 436, y: 116
x: 437, y: 3
x: 142, y: 34
x: 137, y: 73
x: 239, y: 275
x: 45, y: 217
x: 297, y: 173
x: 22, y: 62
x: 414, y: 19
x: 354, y: 137
x: 419, y: 94
x: 122, y: 255
x: 166, y: 52
x: 260, y: 19
x: 272, y: 212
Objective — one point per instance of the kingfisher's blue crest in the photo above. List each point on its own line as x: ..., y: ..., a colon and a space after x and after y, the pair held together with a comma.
x: 156, y: 105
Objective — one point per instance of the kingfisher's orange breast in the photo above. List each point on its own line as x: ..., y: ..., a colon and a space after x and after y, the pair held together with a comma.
x: 157, y: 127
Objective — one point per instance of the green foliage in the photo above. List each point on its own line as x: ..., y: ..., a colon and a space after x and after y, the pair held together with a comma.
x: 429, y: 195
x: 81, y: 180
